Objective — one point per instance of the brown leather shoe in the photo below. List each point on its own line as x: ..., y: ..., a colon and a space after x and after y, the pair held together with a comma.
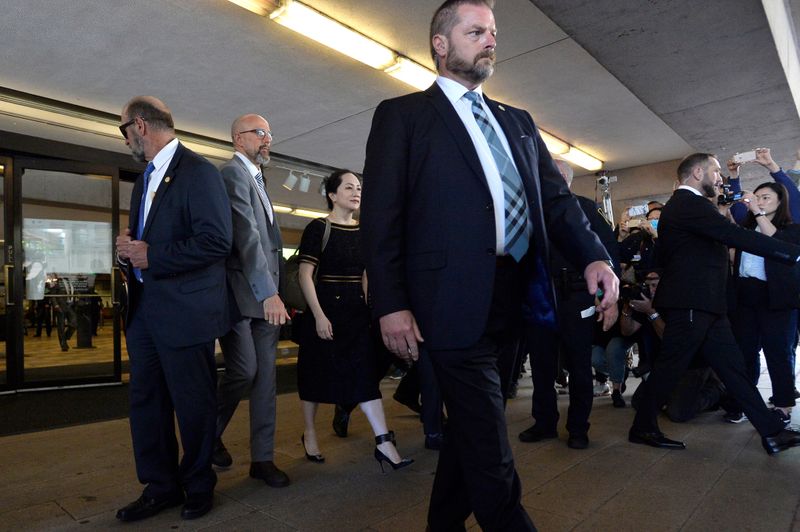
x: 269, y: 473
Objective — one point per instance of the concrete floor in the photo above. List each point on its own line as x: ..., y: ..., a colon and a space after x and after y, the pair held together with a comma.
x: 77, y: 477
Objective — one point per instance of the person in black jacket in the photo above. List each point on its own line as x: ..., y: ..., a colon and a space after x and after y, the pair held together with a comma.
x: 572, y: 340
x: 767, y: 298
x: 691, y: 298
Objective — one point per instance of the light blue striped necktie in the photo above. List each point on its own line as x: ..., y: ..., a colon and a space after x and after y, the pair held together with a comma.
x: 516, y: 206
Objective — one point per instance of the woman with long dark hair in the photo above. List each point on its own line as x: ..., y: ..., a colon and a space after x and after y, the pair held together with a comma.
x: 338, y: 360
x: 767, y: 296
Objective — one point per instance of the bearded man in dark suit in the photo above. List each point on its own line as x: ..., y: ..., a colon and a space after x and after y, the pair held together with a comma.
x: 691, y: 299
x: 460, y: 198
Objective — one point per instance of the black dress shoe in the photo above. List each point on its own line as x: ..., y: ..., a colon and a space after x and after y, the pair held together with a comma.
x: 145, y: 506
x: 788, y: 437
x: 578, y: 441
x: 537, y: 433
x: 654, y: 439
x: 434, y: 441
x: 221, y: 457
x: 341, y: 418
x: 197, y: 505
x: 269, y: 473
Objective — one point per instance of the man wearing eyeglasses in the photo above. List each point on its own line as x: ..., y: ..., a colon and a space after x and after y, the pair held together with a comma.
x: 253, y: 273
x: 173, y: 251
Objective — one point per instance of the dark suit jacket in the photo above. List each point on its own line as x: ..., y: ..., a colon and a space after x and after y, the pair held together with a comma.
x: 427, y: 218
x: 783, y: 280
x: 693, y: 238
x: 188, y: 231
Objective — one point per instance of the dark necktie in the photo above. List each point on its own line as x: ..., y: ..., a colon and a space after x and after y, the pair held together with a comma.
x: 262, y: 192
x: 140, y: 226
x: 516, y: 207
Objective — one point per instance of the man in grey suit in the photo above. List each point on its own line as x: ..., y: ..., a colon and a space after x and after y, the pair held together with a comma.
x: 253, y: 275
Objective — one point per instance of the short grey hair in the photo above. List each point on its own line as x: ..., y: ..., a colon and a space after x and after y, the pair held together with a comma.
x: 445, y: 18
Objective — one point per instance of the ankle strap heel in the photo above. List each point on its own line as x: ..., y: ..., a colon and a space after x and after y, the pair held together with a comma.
x: 383, y: 438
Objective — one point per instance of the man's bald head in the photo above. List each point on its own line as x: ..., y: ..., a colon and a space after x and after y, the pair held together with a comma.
x: 245, y: 122
x: 566, y: 171
x: 151, y: 110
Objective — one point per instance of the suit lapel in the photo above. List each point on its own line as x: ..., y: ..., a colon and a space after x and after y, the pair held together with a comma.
x: 163, y: 188
x: 456, y: 126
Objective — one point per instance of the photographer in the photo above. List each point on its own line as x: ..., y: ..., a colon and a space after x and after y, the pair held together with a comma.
x: 767, y: 298
x: 640, y: 316
x: 691, y: 299
x: 764, y: 158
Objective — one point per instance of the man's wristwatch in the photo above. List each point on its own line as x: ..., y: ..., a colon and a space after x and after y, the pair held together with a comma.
x: 654, y: 316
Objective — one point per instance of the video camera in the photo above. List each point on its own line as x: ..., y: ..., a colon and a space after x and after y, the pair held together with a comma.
x: 728, y: 196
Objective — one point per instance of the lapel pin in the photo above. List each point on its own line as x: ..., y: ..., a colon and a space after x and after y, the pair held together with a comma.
x: 501, y: 107
x: 167, y: 179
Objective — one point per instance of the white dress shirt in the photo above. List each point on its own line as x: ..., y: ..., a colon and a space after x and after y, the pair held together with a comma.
x: 161, y: 163
x: 254, y: 171
x: 455, y: 93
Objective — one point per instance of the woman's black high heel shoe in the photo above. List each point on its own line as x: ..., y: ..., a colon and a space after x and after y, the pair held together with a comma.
x: 316, y: 458
x: 381, y: 458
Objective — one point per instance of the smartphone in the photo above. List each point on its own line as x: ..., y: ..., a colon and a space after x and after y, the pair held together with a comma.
x: 744, y: 157
x: 638, y: 210
x: 634, y: 222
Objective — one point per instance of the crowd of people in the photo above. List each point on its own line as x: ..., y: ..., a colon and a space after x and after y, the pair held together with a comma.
x: 470, y: 254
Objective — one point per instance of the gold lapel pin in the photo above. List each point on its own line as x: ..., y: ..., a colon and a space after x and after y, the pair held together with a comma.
x: 167, y: 179
x: 501, y: 107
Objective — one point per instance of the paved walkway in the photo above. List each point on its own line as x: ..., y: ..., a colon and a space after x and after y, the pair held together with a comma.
x: 77, y: 477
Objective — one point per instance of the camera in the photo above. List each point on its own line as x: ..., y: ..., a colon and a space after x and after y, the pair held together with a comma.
x: 728, y: 196
x: 629, y: 292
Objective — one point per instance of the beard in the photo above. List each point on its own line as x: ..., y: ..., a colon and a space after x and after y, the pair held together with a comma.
x: 709, y: 190
x: 257, y: 157
x: 477, y: 71
x: 137, y: 150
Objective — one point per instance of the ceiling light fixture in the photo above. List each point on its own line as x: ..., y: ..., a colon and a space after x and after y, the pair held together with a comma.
x: 281, y: 209
x: 582, y: 159
x: 308, y: 213
x: 554, y: 144
x: 305, y: 183
x: 411, y: 73
x: 258, y: 7
x: 290, y: 182
x: 333, y: 34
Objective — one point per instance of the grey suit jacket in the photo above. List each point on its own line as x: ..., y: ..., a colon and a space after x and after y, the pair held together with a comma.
x: 253, y: 267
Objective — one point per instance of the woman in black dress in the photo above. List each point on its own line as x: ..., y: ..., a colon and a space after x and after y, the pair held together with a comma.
x: 337, y: 362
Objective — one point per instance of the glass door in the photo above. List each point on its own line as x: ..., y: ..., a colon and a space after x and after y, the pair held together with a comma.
x: 64, y: 282
x: 6, y: 364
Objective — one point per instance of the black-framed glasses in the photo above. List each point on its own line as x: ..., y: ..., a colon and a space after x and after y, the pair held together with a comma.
x: 260, y: 133
x: 124, y: 127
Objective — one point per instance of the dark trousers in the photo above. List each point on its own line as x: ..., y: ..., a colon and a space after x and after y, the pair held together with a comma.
x: 476, y: 473
x: 755, y: 327
x: 43, y: 312
x: 573, y: 340
x: 169, y: 382
x: 419, y: 384
x: 689, y: 332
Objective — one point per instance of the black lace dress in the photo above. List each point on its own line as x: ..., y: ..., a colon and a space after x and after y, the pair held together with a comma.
x: 343, y: 370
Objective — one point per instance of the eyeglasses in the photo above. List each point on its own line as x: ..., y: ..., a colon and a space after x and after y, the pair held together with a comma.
x: 124, y: 127
x: 260, y: 133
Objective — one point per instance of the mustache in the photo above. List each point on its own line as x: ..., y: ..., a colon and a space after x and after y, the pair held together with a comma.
x: 486, y: 54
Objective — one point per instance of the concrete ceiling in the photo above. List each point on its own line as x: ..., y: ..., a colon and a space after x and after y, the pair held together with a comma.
x: 628, y: 81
